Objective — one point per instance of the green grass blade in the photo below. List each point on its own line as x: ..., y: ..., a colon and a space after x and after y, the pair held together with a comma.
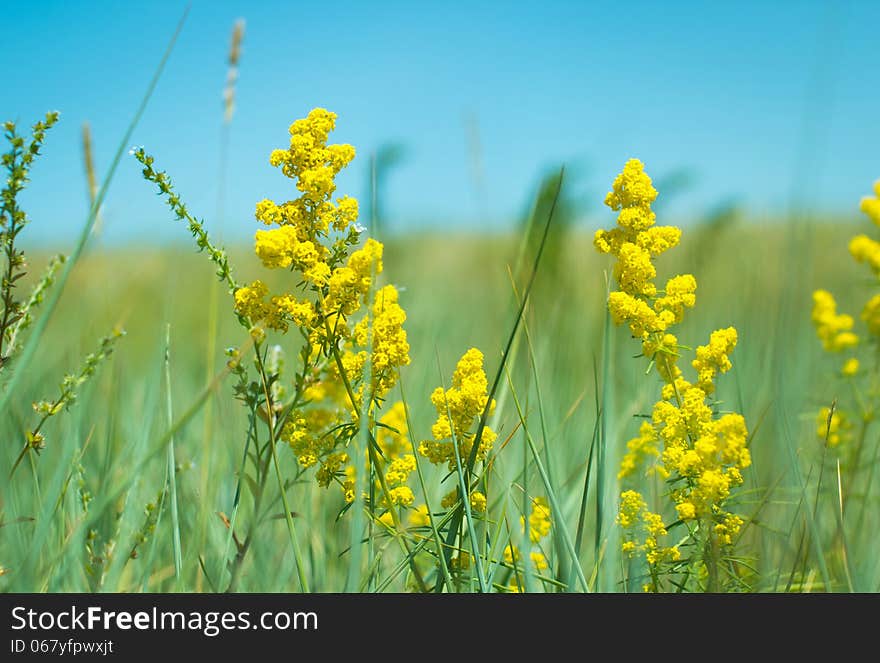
x: 172, y: 462
x: 555, y: 504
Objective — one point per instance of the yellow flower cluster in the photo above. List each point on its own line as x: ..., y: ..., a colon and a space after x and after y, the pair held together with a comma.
x: 866, y: 250
x: 458, y: 408
x: 871, y: 205
x: 392, y: 438
x: 302, y: 239
x: 713, y: 358
x: 702, y: 456
x: 397, y: 463
x: 539, y: 526
x: 635, y: 242
x: 390, y: 349
x: 643, y: 530
x: 477, y: 500
x: 539, y: 519
x: 639, y: 449
x: 315, y: 237
x: 835, y: 330
x: 308, y: 430
x: 349, y: 284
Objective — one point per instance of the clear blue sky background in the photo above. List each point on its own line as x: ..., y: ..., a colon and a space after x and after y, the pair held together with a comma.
x: 767, y: 104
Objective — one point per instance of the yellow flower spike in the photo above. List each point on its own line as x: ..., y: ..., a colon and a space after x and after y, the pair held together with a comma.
x: 702, y: 455
x: 540, y: 561
x: 632, y: 188
x: 631, y: 505
x: 299, y: 239
x: 389, y: 343
x: 678, y: 295
x: 713, y: 358
x: 866, y: 250
x: 458, y: 409
x: 833, y: 329
x: 638, y: 449
x: 634, y: 271
x: 478, y: 502
x: 539, y: 519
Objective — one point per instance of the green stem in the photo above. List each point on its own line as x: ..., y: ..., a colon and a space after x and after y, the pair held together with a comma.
x: 291, y: 528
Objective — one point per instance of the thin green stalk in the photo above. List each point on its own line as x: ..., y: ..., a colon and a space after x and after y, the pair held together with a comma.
x: 555, y: 505
x: 557, y: 539
x: 811, y: 520
x: 172, y: 463
x: 233, y: 516
x: 291, y: 528
x: 444, y: 569
x: 582, y: 515
x: 602, y: 450
x: 839, y: 514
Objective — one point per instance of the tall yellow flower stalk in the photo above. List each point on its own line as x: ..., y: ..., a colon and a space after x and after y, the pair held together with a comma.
x: 836, y: 331
x: 352, y: 339
x: 335, y: 306
x: 699, y: 452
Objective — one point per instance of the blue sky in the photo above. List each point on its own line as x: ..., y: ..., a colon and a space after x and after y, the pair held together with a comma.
x: 765, y: 104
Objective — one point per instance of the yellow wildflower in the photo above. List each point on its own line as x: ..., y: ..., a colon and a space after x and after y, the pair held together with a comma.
x: 458, y: 408
x: 478, y: 502
x: 713, y: 358
x: 871, y: 206
x: 679, y: 294
x: 539, y: 519
x: 539, y: 560
x: 391, y: 436
x: 638, y: 449
x: 389, y: 345
x: 631, y: 505
x: 833, y: 329
x: 866, y: 250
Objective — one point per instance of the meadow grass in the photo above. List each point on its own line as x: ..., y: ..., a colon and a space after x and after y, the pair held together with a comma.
x: 122, y: 500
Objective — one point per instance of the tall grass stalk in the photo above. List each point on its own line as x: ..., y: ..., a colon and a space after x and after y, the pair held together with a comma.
x: 172, y: 461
